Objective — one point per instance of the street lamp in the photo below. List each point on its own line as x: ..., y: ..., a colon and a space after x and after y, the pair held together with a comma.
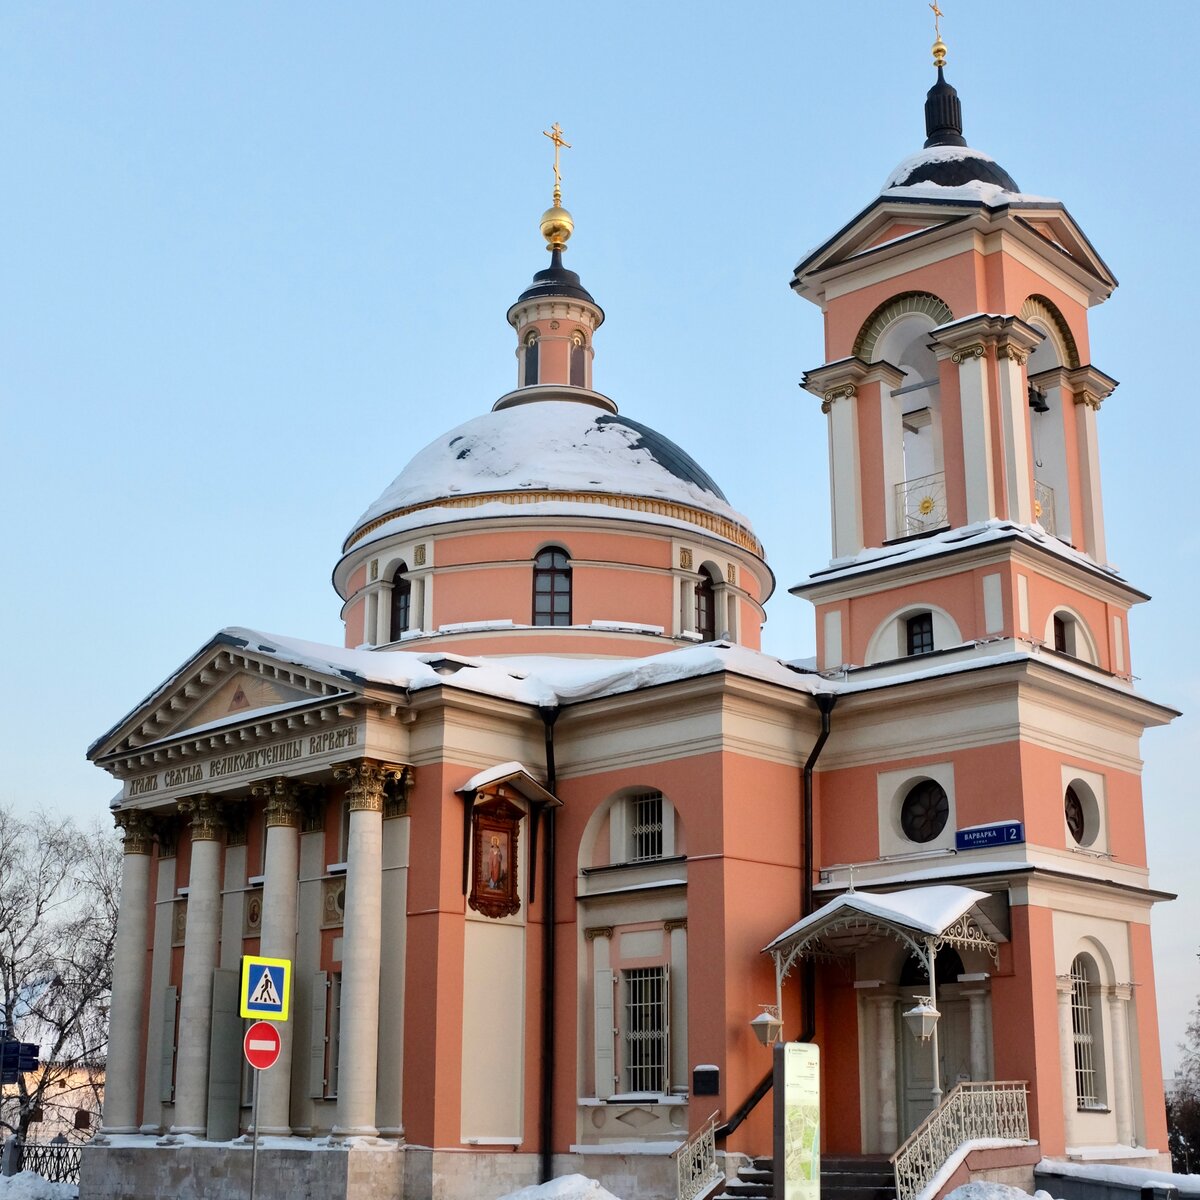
x: 922, y: 1019
x: 767, y: 1026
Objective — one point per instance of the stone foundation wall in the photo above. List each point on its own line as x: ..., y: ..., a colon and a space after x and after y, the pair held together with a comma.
x: 323, y: 1171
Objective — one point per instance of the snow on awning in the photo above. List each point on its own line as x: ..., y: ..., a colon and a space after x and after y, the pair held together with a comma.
x: 922, y: 918
x: 517, y: 776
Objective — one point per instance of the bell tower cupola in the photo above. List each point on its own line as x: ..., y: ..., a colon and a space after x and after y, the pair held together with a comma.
x: 555, y: 317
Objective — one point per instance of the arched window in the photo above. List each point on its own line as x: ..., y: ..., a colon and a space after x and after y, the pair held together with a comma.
x: 552, y: 587
x: 530, y: 374
x: 578, y: 368
x: 1087, y: 1033
x: 919, y: 633
x: 401, y: 601
x: 706, y: 607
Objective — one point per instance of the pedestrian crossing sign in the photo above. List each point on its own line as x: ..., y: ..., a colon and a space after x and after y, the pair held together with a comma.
x: 266, y: 988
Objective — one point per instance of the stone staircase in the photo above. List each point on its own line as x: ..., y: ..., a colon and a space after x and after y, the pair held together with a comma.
x: 843, y: 1177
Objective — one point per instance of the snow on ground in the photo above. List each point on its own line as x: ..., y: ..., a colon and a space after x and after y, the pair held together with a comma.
x: 565, y: 1187
x: 25, y: 1185
x: 991, y: 1191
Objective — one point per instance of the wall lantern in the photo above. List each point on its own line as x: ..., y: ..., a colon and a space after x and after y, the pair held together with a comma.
x: 767, y: 1026
x: 922, y: 1019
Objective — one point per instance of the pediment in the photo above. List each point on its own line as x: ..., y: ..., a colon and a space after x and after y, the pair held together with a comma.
x: 892, y: 226
x: 226, y: 681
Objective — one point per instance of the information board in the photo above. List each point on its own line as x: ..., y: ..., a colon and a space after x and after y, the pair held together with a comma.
x: 797, y: 1121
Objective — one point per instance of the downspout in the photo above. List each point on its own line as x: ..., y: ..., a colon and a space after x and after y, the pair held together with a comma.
x: 549, y: 716
x: 808, y: 971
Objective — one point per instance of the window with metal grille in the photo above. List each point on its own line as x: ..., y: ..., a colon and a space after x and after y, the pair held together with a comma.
x: 706, y: 607
x: 1086, y: 1031
x: 552, y: 587
x: 645, y: 1030
x: 401, y: 602
x: 920, y: 633
x: 645, y: 826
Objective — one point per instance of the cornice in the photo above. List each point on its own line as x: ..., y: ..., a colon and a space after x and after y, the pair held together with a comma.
x: 836, y: 583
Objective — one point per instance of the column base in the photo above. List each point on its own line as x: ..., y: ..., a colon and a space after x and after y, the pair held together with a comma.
x: 272, y: 1131
x: 196, y: 1131
x: 349, y: 1131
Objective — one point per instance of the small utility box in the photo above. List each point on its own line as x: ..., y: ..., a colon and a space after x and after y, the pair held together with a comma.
x: 706, y: 1081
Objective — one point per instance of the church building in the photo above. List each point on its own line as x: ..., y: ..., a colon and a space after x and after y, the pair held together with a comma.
x: 553, y: 847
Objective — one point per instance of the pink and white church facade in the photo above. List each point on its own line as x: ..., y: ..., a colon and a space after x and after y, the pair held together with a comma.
x: 528, y: 834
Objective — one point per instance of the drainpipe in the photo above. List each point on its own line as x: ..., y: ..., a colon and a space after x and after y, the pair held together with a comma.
x: 808, y: 972
x: 549, y: 716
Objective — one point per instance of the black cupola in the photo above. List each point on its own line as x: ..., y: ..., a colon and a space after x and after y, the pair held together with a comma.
x: 943, y: 115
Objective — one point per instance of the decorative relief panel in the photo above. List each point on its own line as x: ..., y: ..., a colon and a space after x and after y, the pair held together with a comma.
x: 333, y: 902
x: 252, y: 924
x: 179, y: 921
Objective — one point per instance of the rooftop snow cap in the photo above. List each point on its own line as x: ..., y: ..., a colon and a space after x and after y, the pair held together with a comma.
x: 565, y: 452
x: 947, y: 160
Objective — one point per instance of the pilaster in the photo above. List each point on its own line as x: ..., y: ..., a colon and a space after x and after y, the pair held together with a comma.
x: 1066, y: 1057
x: 1118, y: 996
x: 1090, y: 388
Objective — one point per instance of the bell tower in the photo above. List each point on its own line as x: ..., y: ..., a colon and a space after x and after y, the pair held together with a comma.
x: 962, y: 410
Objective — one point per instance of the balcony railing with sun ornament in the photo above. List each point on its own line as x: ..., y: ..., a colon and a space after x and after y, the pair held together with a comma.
x: 921, y: 504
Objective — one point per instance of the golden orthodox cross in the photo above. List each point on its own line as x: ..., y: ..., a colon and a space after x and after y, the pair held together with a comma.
x: 937, y: 17
x: 555, y: 135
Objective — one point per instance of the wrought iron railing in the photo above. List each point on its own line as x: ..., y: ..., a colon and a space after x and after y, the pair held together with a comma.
x: 970, y: 1112
x: 921, y: 504
x: 696, y: 1170
x: 1043, y: 506
x: 57, y: 1163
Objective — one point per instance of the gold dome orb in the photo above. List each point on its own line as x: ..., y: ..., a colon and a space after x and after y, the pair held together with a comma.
x: 557, y: 226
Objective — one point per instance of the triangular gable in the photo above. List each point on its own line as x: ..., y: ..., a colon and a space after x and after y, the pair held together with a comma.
x: 226, y: 679
x: 893, y: 220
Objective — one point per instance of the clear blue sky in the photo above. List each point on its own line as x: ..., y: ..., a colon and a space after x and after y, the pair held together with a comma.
x: 255, y: 255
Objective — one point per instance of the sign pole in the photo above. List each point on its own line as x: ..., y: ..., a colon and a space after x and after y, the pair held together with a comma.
x: 254, y: 1152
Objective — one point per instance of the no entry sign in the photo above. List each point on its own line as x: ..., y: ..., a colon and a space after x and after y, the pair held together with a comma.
x: 262, y: 1045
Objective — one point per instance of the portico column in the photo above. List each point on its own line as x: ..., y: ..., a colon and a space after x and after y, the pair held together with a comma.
x: 1118, y: 1020
x: 359, y: 1029
x: 1066, y: 1056
x: 128, y: 1010
x: 885, y: 1054
x: 977, y: 1014
x: 278, y: 938
x: 199, y: 961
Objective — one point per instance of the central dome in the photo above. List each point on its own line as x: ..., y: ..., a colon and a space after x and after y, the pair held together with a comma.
x: 556, y: 453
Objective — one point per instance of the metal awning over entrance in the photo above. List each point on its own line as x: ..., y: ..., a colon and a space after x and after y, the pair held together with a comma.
x: 924, y: 919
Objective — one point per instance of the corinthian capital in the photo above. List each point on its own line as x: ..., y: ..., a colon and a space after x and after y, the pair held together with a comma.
x: 367, y: 780
x: 283, y: 806
x: 205, y: 814
x: 138, y: 829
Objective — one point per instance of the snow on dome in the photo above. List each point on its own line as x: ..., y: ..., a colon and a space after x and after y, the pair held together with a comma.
x: 554, y: 446
x: 957, y: 173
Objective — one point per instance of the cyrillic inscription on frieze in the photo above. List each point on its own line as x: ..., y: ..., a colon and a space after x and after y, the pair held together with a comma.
x: 243, y: 762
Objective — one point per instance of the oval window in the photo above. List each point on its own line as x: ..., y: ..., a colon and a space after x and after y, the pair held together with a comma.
x: 925, y: 811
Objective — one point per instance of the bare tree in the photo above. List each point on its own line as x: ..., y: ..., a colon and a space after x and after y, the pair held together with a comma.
x: 59, y: 891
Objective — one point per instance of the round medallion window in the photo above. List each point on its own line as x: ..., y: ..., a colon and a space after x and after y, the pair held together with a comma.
x: 925, y: 811
x: 1076, y: 821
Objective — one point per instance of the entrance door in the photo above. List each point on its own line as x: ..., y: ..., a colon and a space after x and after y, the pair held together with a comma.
x: 916, y: 1059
